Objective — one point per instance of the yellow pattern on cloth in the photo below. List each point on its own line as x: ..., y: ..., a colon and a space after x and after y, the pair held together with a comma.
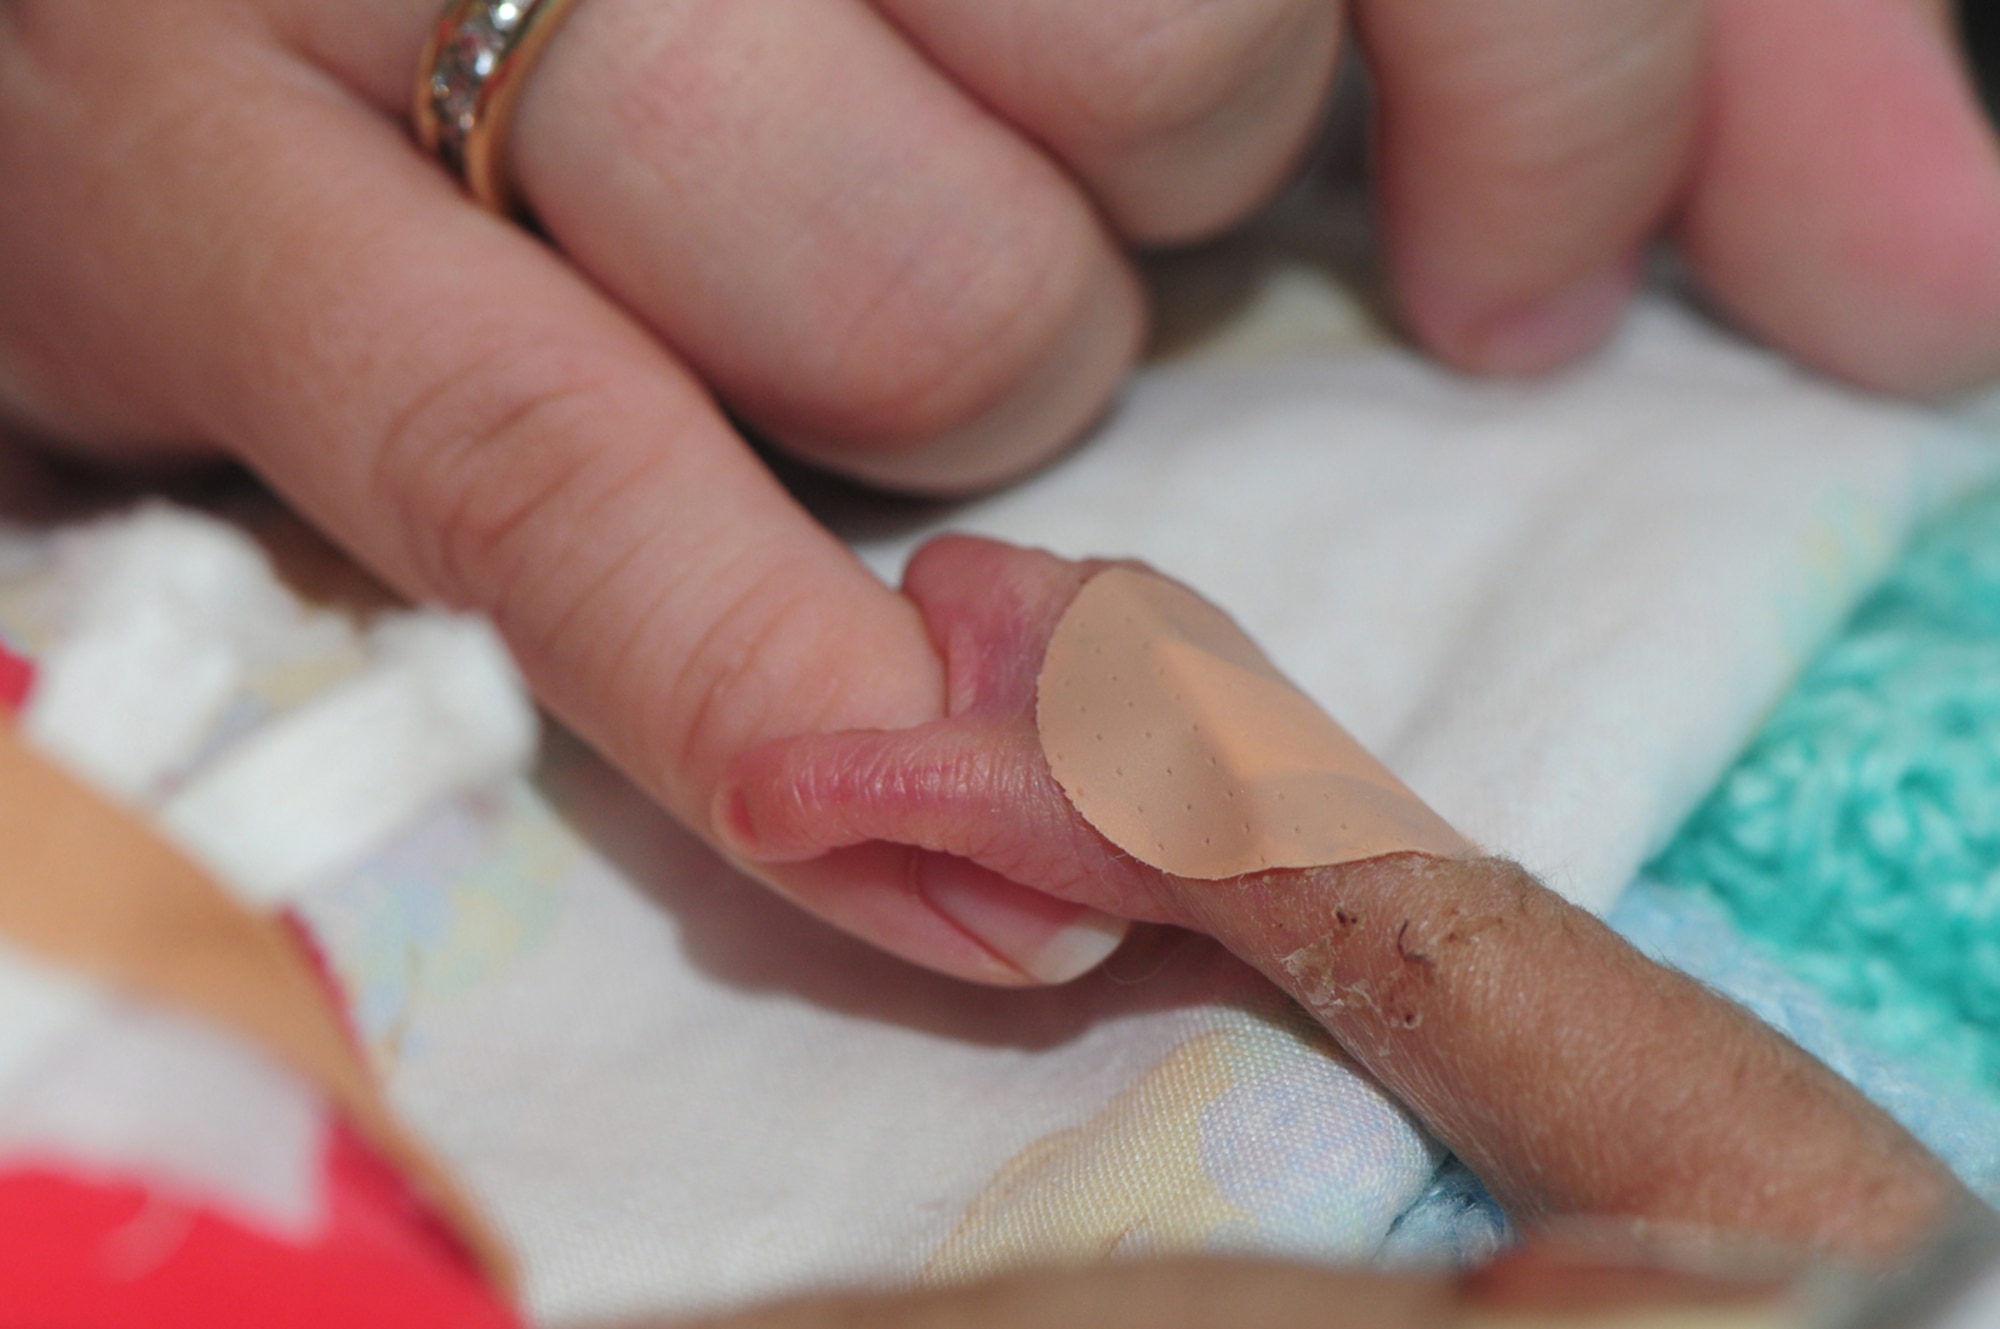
x: 1253, y: 1134
x: 1129, y: 1181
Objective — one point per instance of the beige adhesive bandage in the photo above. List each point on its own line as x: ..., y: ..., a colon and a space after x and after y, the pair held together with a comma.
x: 1184, y: 746
x: 88, y: 887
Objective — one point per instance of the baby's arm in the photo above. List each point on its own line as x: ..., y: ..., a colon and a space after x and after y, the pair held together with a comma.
x: 1576, y: 1077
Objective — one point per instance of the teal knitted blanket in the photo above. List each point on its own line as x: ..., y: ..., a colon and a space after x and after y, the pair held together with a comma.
x: 1857, y: 840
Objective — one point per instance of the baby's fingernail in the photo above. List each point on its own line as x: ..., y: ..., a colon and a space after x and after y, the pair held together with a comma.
x: 1543, y: 335
x: 735, y: 827
x: 730, y: 816
x: 1048, y: 939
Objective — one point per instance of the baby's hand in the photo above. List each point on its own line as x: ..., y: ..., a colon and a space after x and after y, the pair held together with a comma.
x: 891, y: 237
x: 1576, y: 1077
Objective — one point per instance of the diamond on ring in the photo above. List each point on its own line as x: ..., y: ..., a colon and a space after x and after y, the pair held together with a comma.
x: 473, y: 69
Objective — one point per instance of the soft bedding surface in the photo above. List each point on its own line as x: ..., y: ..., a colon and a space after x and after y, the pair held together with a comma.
x: 1557, y: 611
x: 1857, y: 839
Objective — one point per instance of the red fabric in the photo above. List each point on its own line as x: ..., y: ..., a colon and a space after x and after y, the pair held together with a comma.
x: 97, y: 1254
x: 17, y: 677
x: 301, y: 933
x: 94, y: 1253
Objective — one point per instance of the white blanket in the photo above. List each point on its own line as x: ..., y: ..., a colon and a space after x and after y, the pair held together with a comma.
x: 1555, y: 610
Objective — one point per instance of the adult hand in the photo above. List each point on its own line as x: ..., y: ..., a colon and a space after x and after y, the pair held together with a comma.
x: 889, y: 236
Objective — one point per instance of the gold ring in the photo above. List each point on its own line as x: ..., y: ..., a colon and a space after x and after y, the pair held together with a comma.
x: 474, y: 68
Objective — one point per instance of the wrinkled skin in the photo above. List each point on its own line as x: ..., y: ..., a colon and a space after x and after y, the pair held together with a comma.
x: 1576, y: 1077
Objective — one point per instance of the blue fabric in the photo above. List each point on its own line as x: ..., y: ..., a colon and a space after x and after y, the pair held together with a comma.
x: 1453, y: 1224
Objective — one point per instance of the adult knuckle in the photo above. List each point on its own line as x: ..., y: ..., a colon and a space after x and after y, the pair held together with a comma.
x: 471, y: 460
x: 723, y: 682
x: 649, y: 58
x: 1142, y: 70
x: 948, y: 329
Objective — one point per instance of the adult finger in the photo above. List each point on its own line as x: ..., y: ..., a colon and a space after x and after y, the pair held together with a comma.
x: 859, y: 259
x: 1180, y: 116
x: 1847, y: 199
x: 444, y: 394
x: 1528, y: 148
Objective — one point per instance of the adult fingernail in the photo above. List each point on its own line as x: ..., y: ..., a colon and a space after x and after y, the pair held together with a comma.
x: 1546, y: 334
x: 1048, y: 939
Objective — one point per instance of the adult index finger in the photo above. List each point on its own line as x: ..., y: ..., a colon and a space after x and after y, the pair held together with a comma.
x: 280, y: 272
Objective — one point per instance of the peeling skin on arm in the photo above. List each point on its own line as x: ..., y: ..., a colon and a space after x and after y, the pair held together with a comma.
x: 1576, y: 1077
x: 1572, y: 1074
